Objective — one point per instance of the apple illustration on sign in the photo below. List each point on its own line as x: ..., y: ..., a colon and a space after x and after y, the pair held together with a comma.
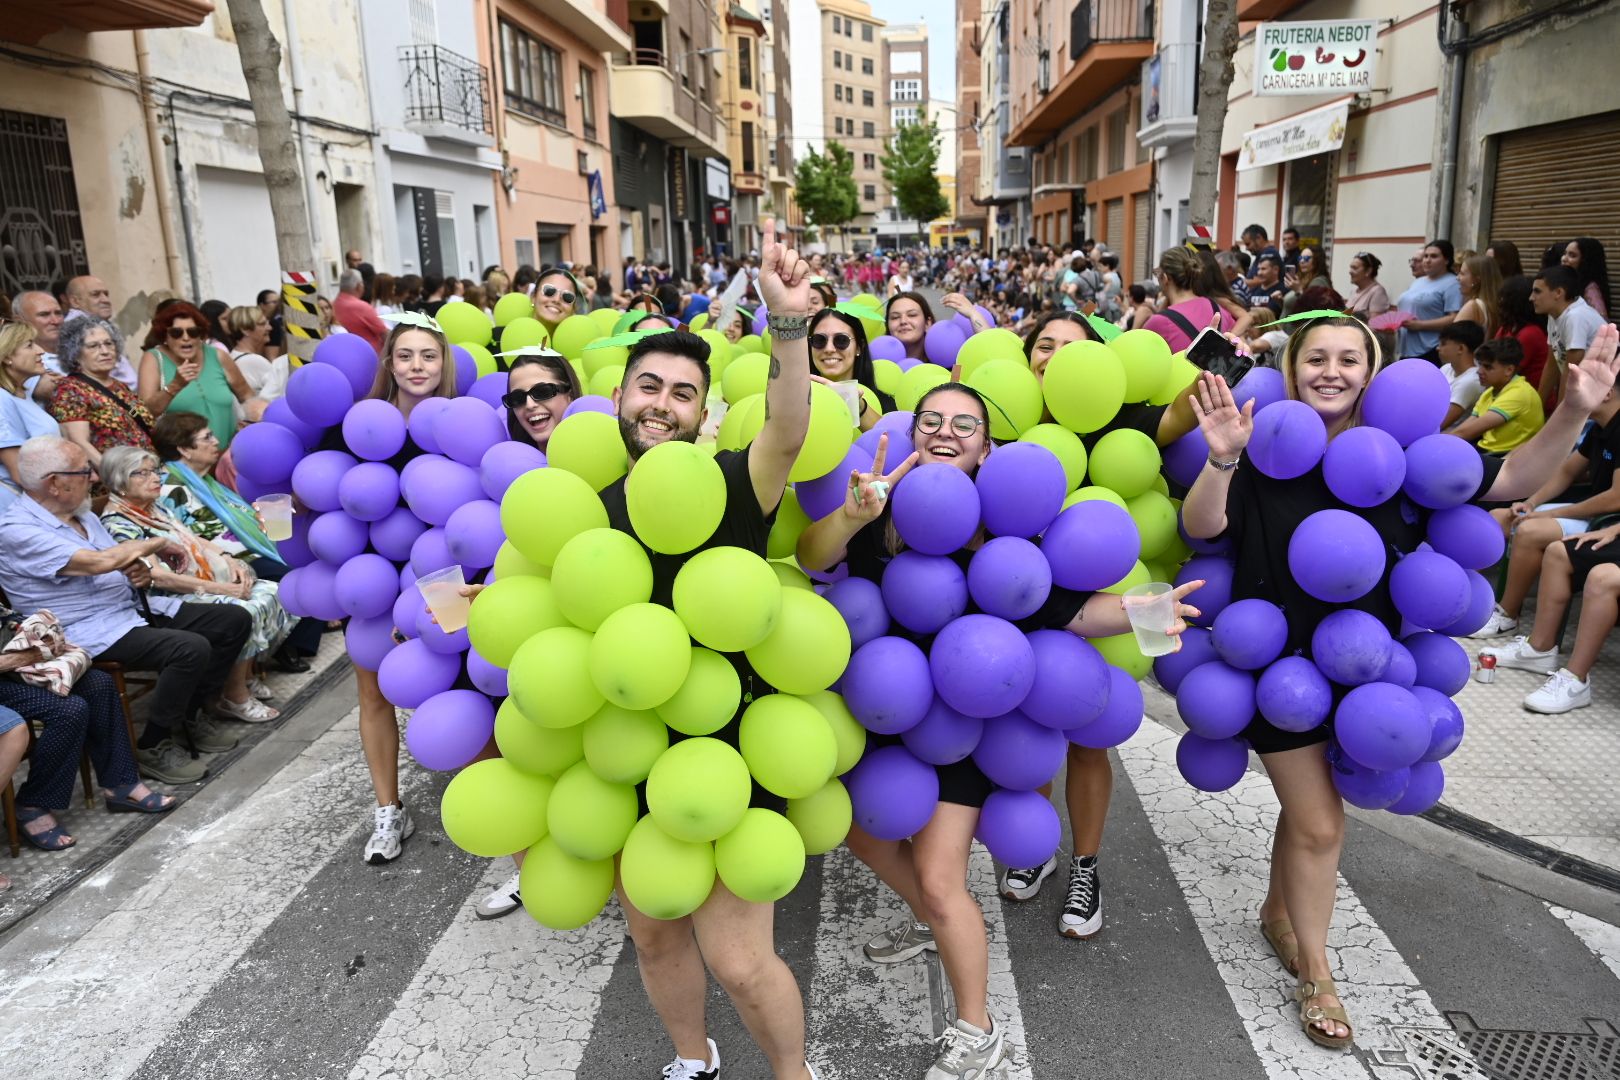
x: 1296, y: 61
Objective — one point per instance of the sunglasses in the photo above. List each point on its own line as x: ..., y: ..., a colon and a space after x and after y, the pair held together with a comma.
x: 539, y: 393
x: 962, y: 425
x: 548, y: 291
x: 839, y: 341
x: 178, y: 332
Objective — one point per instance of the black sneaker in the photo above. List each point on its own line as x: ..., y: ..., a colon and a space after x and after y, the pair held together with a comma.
x: 1082, y: 909
x: 1024, y: 882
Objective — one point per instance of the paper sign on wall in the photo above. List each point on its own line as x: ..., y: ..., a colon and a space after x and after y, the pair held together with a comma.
x: 1333, y: 56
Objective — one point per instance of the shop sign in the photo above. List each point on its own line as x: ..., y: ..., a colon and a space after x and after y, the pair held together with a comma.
x: 677, y: 180
x: 721, y: 215
x: 1329, y: 56
x: 1315, y: 132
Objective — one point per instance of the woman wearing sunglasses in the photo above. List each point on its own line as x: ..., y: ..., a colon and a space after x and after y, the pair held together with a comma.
x: 838, y: 352
x: 556, y: 296
x: 539, y: 389
x: 181, y: 371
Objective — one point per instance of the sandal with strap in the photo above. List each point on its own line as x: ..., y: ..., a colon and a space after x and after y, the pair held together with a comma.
x: 1276, y: 932
x: 122, y: 801
x: 54, y: 838
x: 1310, y: 1015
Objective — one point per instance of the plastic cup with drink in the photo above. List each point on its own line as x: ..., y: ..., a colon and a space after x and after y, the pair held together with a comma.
x: 441, y: 590
x: 277, y: 513
x: 1151, y: 609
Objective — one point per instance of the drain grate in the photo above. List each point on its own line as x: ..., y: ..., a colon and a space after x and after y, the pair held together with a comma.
x: 1469, y: 1052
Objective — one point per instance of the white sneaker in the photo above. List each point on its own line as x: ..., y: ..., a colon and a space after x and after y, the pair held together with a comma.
x: 1561, y: 693
x: 1518, y: 654
x: 392, y: 827
x: 687, y: 1069
x: 503, y: 901
x: 1498, y: 624
x: 1023, y: 882
x: 966, y: 1053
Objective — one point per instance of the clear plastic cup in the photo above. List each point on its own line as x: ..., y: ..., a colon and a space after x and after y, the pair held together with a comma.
x: 1152, y: 611
x: 442, y: 592
x: 277, y: 512
x: 851, y: 393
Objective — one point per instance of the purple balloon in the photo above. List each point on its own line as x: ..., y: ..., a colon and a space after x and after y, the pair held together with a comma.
x: 430, y: 634
x: 1336, y: 556
x: 1288, y: 440
x: 1351, y: 647
x: 252, y: 490
x: 1071, y: 681
x: 1429, y: 589
x: 935, y: 507
x: 1196, y: 648
x: 1441, y: 663
x: 1408, y: 399
x: 366, y: 586
x: 896, y: 425
x: 409, y: 605
x: 374, y: 430
x: 1294, y: 695
x: 466, y: 429
x: 392, y: 536
x: 825, y: 494
x: 1262, y: 385
x: 489, y: 389
x: 1184, y: 459
x: 1119, y: 720
x: 369, y: 491
x: 1019, y: 827
x: 1423, y: 790
x: 887, y: 685
x: 924, y: 592
x: 761, y: 320
x: 423, y: 418
x: 1021, y: 489
x: 1370, y: 789
x: 944, y: 736
x: 437, y: 488
x: 942, y: 342
x: 1364, y: 466
x: 1445, y: 723
x: 320, y: 395
x: 279, y: 412
x: 1091, y: 545
x: 1402, y: 669
x: 474, y: 533
x: 983, y: 666
x: 1211, y: 764
x: 504, y: 462
x: 885, y: 347
x: 412, y: 673
x: 294, y: 551
x: 287, y: 592
x: 906, y: 363
x: 1249, y: 634
x: 1467, y: 535
x: 1382, y: 726
x: 892, y: 793
x: 266, y: 453
x: 463, y: 368
x: 1015, y: 752
x: 407, y: 576
x: 317, y: 591
x: 486, y: 676
x: 860, y: 602
x: 1216, y: 574
x: 431, y: 552
x: 1442, y: 471
x: 1009, y: 577
x: 369, y: 641
x: 450, y: 729
x: 1481, y: 601
x: 1216, y: 700
x: 590, y: 403
x: 335, y: 537
x: 352, y: 355
x: 315, y: 479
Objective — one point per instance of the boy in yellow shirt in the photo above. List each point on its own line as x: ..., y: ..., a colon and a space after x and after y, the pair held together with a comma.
x: 1509, y: 411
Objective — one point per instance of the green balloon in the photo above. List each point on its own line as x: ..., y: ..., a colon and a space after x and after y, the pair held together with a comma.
x: 745, y: 376
x: 573, y: 334
x: 699, y: 321
x: 663, y: 876
x: 789, y: 748
x: 588, y: 816
x: 790, y: 523
x: 1158, y: 570
x: 550, y: 681
x: 640, y: 656
x: 606, y: 380
x: 676, y: 497
x: 1138, y: 575
x: 698, y: 789
x: 887, y: 374
x: 987, y: 345
x: 1125, y: 460
x: 463, y: 323
x: 594, y: 361
x: 493, y: 808
x: 483, y: 361
x: 1178, y: 381
x: 847, y: 731
x: 866, y: 299
x: 791, y: 576
x: 605, y: 319
x: 728, y: 598
x: 1084, y: 384
x: 1162, y: 486
x: 513, y: 306
x: 1094, y: 492
x: 1155, y: 522
x: 597, y: 573
x: 1145, y: 356
x: 588, y: 444
x: 822, y: 818
x: 808, y: 648
x: 560, y: 891
x: 1066, y: 445
x: 730, y: 436
x: 828, y: 439
x: 511, y: 611
x: 1016, y: 394
x: 720, y: 350
x: 539, y: 750
x: 523, y: 332
x: 511, y: 563
x: 709, y: 697
x: 621, y: 746
x: 917, y: 382
x: 546, y: 508
x: 746, y: 344
x: 1121, y: 651
x: 762, y: 859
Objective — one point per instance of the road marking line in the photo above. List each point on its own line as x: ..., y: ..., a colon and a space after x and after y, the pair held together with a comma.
x: 1599, y: 936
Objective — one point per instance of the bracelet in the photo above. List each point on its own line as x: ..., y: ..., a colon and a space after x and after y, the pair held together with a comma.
x: 1223, y: 466
x: 788, y: 327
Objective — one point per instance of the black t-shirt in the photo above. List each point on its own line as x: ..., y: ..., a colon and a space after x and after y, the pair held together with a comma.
x: 1136, y: 417
x: 1601, y: 448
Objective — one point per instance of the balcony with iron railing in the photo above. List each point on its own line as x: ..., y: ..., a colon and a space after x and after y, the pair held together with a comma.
x: 446, y: 95
x: 1108, y: 41
x: 648, y: 92
x: 1169, y: 95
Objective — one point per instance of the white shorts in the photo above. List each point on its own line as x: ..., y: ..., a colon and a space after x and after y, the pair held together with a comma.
x: 1571, y: 526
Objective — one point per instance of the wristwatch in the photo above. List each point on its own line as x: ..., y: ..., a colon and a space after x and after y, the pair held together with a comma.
x: 1223, y: 466
x: 788, y: 327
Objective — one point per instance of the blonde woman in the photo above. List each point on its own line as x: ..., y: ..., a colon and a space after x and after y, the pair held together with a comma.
x: 21, y: 417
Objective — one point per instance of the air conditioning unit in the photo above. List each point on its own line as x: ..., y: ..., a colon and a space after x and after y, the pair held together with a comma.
x: 584, y: 163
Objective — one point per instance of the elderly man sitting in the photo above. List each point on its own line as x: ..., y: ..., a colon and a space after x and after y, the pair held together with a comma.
x: 60, y: 557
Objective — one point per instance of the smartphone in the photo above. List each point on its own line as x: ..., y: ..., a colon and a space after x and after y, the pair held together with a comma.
x: 1212, y: 351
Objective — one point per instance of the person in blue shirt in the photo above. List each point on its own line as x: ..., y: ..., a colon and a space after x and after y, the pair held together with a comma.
x: 1434, y: 299
x: 21, y: 416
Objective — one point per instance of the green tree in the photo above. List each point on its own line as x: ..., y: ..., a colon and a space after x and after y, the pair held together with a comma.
x: 911, y: 168
x: 826, y: 186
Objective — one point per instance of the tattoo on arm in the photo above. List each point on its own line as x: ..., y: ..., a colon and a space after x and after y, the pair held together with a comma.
x: 776, y: 371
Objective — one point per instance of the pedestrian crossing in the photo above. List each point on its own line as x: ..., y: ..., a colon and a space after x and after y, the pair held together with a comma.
x: 244, y: 938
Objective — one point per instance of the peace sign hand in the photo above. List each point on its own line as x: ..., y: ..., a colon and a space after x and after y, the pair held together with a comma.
x: 868, y: 491
x: 1226, y: 428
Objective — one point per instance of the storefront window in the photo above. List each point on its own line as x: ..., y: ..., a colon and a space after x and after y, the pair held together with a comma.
x: 1308, y: 183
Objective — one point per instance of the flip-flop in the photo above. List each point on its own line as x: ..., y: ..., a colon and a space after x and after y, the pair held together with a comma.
x: 55, y: 838
x: 120, y: 801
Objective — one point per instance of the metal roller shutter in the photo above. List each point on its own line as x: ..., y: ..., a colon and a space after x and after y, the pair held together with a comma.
x: 1139, y: 248
x: 1114, y: 209
x: 1558, y: 182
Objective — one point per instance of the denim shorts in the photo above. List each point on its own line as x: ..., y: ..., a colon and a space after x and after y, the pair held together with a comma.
x: 9, y: 718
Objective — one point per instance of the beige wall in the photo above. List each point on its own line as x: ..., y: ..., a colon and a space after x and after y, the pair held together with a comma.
x: 851, y: 76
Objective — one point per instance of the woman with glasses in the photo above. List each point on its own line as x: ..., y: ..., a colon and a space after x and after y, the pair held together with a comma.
x: 839, y: 353
x: 21, y: 417
x: 97, y: 411
x: 180, y: 370
x: 556, y: 296
x: 539, y: 388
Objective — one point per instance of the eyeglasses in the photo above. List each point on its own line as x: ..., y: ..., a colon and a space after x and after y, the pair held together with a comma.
x: 146, y: 472
x: 539, y: 393
x: 963, y: 426
x: 548, y: 291
x: 86, y: 472
x: 178, y: 332
x: 839, y: 341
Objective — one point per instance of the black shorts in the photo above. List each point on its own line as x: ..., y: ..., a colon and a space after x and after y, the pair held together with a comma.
x: 960, y: 783
x: 1584, y: 559
x: 1265, y: 738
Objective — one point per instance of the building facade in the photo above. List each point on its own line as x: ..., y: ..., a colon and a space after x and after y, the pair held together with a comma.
x: 779, y: 129
x: 747, y: 131
x: 852, y: 107
x: 970, y: 216
x: 905, y: 100
x: 1003, y: 188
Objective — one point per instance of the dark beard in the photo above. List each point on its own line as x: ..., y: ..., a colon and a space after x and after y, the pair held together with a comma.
x: 630, y: 432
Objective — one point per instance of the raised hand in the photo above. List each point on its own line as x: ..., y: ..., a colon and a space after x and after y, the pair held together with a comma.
x: 1588, y: 382
x: 1226, y: 428
x: 784, y: 278
x: 868, y: 491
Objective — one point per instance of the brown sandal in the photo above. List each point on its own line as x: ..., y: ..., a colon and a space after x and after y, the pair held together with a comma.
x: 1287, y: 953
x: 1311, y: 1015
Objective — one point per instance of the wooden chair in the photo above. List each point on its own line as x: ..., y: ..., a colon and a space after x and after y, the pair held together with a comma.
x: 8, y: 806
x: 124, y: 681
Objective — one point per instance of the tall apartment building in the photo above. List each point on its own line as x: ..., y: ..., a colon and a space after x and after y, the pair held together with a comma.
x: 853, y: 110
x: 779, y: 131
x: 744, y: 110
x: 905, y: 98
x: 1003, y: 188
x: 970, y: 215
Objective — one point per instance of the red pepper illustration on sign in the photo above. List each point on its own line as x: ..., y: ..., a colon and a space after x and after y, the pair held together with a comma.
x: 1355, y: 61
x: 1323, y: 57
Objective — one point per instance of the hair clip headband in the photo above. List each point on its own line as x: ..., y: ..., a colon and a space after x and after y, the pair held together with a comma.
x: 1310, y: 316
x: 628, y: 338
x: 421, y: 320
x: 533, y: 350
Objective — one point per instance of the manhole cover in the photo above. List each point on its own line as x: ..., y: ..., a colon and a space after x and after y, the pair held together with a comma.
x: 1470, y: 1052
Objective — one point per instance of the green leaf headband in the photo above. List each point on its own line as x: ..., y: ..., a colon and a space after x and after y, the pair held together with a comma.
x: 419, y: 319
x: 1309, y: 316
x: 857, y: 311
x: 628, y: 339
x: 533, y: 350
x: 1104, y: 329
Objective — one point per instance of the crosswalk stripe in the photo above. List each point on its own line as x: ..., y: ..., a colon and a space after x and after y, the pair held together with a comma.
x: 1600, y: 937
x: 1003, y: 997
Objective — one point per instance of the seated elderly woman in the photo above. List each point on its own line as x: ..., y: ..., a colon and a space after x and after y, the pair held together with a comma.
x: 95, y: 410
x: 200, y: 570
